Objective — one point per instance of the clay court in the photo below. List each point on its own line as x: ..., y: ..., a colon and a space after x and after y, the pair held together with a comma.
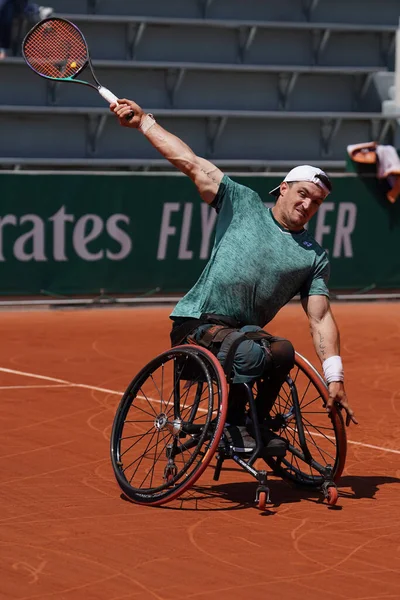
x: 66, y: 532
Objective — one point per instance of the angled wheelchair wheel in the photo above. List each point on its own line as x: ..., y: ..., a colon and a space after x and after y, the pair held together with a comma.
x: 168, y: 424
x: 317, y: 449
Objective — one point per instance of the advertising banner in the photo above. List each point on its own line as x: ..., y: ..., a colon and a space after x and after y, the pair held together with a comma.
x: 136, y: 234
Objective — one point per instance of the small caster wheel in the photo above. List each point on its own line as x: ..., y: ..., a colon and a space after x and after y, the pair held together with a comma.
x: 169, y: 473
x: 332, y: 495
x: 262, y: 497
x: 330, y: 492
x: 262, y: 501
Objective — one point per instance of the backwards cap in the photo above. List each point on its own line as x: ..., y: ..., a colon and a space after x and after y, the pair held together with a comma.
x: 305, y: 173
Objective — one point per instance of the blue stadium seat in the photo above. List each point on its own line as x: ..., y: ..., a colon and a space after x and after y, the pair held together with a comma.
x: 294, y: 80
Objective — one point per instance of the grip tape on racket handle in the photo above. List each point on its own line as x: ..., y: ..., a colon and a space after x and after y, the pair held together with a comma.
x: 112, y: 99
x: 107, y: 95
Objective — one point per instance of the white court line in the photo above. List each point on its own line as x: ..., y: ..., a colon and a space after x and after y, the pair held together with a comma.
x: 107, y: 391
x: 69, y: 383
x: 32, y: 387
x: 331, y: 437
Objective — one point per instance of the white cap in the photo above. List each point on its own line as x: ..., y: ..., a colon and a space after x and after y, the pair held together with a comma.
x: 304, y: 173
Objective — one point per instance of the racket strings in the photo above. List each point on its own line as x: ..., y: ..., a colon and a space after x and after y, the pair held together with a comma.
x: 56, y: 48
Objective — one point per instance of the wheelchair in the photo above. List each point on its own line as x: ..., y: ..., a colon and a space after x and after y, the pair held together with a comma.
x: 169, y: 425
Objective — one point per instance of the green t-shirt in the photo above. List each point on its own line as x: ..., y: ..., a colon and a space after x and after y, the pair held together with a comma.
x: 256, y: 266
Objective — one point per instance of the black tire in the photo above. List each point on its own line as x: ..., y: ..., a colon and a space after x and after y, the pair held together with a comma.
x: 168, y: 424
x: 325, y: 434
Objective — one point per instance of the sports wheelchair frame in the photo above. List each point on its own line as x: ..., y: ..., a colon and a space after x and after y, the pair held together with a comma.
x: 170, y: 423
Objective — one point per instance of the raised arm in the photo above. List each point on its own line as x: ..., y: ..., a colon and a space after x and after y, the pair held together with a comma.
x: 203, y: 173
x: 326, y: 338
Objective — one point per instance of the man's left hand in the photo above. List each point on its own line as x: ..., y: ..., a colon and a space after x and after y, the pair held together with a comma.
x: 338, y: 395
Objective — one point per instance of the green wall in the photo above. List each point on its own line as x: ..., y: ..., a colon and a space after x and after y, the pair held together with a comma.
x: 79, y: 234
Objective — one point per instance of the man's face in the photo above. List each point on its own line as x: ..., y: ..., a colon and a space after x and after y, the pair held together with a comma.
x: 299, y: 202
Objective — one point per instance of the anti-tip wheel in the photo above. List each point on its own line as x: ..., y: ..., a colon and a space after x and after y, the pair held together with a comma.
x: 332, y: 495
x: 262, y: 501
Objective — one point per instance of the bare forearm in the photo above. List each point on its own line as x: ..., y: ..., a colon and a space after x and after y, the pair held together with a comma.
x: 325, y: 335
x: 172, y: 148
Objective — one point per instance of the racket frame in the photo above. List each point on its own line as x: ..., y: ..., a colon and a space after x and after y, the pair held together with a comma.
x: 104, y: 92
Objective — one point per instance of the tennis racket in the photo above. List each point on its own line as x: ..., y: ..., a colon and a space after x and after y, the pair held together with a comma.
x: 56, y: 49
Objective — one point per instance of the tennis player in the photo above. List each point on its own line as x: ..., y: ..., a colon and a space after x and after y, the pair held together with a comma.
x: 261, y: 259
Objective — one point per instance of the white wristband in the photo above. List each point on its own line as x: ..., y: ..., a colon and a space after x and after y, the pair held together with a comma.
x: 333, y: 369
x: 147, y: 122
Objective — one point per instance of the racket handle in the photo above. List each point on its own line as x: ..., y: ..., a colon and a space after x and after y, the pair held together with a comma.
x: 112, y: 99
x: 107, y: 95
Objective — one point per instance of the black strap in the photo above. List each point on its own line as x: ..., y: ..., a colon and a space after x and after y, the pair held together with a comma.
x: 180, y: 331
x: 183, y: 328
x: 215, y: 334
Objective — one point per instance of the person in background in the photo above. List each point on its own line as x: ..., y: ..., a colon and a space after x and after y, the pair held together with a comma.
x: 7, y: 9
x: 10, y: 10
x: 387, y: 161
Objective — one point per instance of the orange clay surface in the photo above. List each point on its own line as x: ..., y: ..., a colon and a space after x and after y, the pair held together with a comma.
x: 67, y: 534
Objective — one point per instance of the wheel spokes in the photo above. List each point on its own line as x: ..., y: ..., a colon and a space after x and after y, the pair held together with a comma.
x: 161, y: 458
